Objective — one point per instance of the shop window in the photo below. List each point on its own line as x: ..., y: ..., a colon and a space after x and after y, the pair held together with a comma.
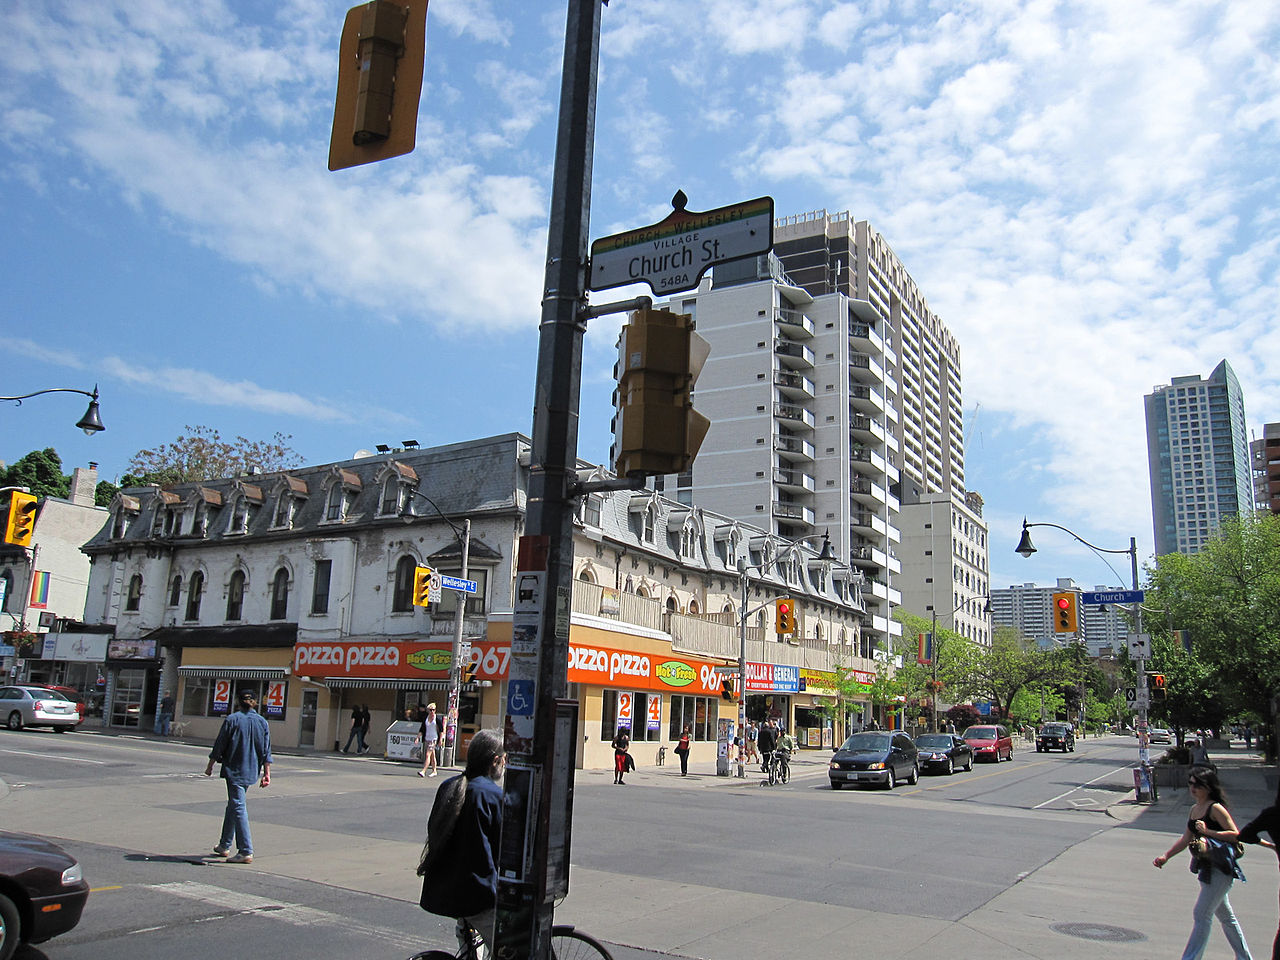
x: 197, y: 695
x: 235, y: 596
x: 280, y: 595
x: 134, y: 597
x: 402, y: 596
x: 646, y: 723
x: 614, y: 701
x: 193, y: 595
x: 696, y: 712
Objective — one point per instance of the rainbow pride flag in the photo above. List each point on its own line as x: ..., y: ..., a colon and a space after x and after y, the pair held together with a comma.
x: 39, y: 590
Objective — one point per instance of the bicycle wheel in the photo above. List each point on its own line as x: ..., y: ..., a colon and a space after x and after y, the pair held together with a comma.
x: 570, y: 944
x: 433, y: 955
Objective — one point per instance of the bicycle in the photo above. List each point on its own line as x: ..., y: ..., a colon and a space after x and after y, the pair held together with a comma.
x: 779, y: 767
x: 567, y: 943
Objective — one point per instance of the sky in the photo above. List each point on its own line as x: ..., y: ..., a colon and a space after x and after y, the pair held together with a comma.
x: 1086, y: 192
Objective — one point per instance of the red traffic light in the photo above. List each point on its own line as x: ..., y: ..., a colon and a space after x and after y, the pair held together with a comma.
x: 1063, y: 603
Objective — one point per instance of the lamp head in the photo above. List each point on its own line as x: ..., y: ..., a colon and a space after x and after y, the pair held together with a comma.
x: 826, y: 554
x: 1025, y: 546
x: 91, y: 422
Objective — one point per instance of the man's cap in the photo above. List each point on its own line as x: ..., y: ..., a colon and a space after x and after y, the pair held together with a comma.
x: 246, y: 695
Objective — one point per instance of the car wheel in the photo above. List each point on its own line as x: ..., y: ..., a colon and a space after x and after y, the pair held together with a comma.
x: 10, y: 927
x: 15, y: 723
x: 836, y: 786
x: 969, y: 766
x: 891, y: 781
x: 950, y: 768
x: 62, y: 729
x: 915, y: 774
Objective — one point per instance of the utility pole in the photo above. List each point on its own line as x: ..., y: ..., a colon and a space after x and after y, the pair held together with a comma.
x: 526, y: 888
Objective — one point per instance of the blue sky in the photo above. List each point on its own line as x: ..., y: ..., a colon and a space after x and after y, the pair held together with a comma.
x: 1085, y: 191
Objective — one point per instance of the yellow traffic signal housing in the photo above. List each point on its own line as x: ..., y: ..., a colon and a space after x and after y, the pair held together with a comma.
x: 656, y: 431
x: 422, y: 586
x: 726, y: 688
x: 785, y: 615
x: 380, y: 60
x: 1158, y: 688
x: 1066, y: 613
x: 22, y: 518
x: 467, y: 671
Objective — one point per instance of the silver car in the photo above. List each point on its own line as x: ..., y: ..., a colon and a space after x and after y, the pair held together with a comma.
x: 31, y: 706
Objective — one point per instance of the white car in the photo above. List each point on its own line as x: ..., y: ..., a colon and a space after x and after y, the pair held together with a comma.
x: 32, y: 706
x: 1160, y: 735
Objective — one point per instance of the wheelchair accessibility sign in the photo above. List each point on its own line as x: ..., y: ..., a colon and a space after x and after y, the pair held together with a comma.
x: 520, y: 698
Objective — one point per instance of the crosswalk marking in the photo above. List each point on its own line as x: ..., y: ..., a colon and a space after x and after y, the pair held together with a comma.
x: 293, y: 913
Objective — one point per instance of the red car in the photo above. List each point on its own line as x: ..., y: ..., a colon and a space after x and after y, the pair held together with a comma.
x: 990, y: 741
x: 42, y: 891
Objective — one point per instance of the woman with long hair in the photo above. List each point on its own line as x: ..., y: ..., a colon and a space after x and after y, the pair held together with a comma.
x: 621, y: 744
x: 1268, y: 821
x: 1210, y: 818
x: 459, y: 864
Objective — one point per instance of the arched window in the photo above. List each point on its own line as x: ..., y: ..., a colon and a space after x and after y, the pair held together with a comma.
x: 280, y: 595
x: 391, y: 496
x: 235, y: 596
x: 336, y: 509
x: 693, y: 608
x: 284, y: 510
x: 193, y: 595
x: 134, y: 596
x: 402, y: 596
x: 175, y: 591
x: 586, y: 576
x: 672, y: 606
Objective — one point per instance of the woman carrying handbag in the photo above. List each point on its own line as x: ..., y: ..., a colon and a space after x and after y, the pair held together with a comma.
x: 1211, y: 835
x: 682, y: 750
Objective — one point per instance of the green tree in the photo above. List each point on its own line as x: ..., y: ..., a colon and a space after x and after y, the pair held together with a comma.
x: 1227, y: 597
x: 1011, y: 665
x: 104, y: 493
x: 40, y: 471
x: 204, y: 455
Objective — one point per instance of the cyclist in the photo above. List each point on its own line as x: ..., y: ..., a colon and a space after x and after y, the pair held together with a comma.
x: 787, y: 745
x: 459, y: 861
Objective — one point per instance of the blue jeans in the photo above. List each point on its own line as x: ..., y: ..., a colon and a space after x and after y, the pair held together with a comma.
x: 357, y: 734
x: 235, y: 822
x: 162, y: 724
x: 1213, y: 902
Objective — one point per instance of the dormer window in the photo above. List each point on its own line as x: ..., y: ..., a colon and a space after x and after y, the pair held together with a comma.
x: 206, y: 503
x: 248, y: 499
x: 342, y: 492
x: 591, y: 510
x: 126, y: 511
x: 398, y: 481
x: 290, y: 493
x: 168, y: 514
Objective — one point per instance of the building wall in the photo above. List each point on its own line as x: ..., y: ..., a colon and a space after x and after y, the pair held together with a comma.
x: 945, y: 564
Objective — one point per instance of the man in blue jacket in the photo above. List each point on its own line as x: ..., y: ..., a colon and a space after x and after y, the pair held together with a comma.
x: 243, y: 748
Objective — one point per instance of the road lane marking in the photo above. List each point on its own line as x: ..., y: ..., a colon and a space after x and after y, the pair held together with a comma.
x: 950, y: 782
x: 101, y: 889
x: 53, y: 756
x: 293, y: 913
x: 1081, y: 786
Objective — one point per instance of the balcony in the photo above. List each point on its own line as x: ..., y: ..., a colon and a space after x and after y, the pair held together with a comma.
x: 863, y: 369
x: 866, y: 460
x: 865, y: 429
x: 865, y: 399
x: 867, y: 493
x: 793, y: 512
x: 864, y: 522
x: 792, y: 355
x: 793, y: 386
x: 794, y: 415
x: 866, y: 337
x: 794, y: 481
x: 793, y: 448
x: 793, y: 323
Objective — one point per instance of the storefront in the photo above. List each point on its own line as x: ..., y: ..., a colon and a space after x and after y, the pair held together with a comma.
x: 133, y: 677
x: 75, y: 659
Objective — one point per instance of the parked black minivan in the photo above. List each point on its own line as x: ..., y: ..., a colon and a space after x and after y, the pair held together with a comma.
x: 881, y: 757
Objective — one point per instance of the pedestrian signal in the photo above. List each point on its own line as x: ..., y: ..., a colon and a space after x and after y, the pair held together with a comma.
x: 726, y: 688
x: 422, y: 586
x: 1158, y: 689
x: 22, y: 519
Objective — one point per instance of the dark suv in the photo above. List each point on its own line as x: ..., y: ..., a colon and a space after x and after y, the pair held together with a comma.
x: 1056, y: 736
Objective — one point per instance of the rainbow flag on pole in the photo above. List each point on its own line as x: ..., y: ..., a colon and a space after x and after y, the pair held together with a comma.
x: 39, y: 590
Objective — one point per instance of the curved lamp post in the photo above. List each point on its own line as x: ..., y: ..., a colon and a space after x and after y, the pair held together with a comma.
x: 90, y: 423
x: 463, y: 535
x: 1027, y: 548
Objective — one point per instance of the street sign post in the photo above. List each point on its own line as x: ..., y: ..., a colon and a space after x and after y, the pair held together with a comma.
x: 1139, y: 645
x: 672, y: 255
x: 1112, y: 596
x: 457, y: 583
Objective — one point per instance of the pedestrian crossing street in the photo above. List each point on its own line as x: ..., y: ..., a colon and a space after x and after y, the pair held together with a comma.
x: 234, y: 902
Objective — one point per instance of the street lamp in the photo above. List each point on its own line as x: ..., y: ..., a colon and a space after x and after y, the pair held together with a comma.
x: 90, y: 423
x: 463, y: 535
x: 934, y: 655
x: 1027, y: 548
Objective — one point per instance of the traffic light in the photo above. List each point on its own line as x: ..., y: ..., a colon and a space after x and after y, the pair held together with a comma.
x: 1158, y: 689
x: 22, y: 518
x: 656, y: 431
x: 467, y: 671
x: 1066, y: 614
x: 422, y: 586
x: 380, y: 59
x: 726, y: 688
x: 785, y: 615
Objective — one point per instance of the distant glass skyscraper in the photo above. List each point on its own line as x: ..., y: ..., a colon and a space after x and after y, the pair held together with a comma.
x: 1198, y: 455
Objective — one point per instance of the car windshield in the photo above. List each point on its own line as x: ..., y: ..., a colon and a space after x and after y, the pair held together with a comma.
x: 1054, y: 728
x: 933, y: 740
x: 867, y: 741
x: 980, y: 733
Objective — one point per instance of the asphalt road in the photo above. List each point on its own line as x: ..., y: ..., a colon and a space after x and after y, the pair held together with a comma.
x: 336, y: 840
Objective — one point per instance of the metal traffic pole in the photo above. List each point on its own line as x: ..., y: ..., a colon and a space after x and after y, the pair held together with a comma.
x: 455, y: 665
